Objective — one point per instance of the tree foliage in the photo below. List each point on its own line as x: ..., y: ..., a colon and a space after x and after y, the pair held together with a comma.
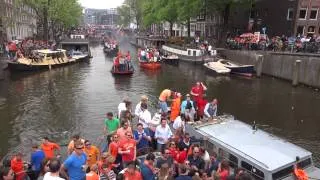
x: 60, y: 14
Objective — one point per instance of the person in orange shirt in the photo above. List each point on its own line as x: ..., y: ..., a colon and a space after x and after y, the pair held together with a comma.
x: 92, y: 152
x: 132, y: 173
x: 123, y: 130
x: 49, y: 148
x: 163, y: 98
x: 17, y: 166
x: 175, y: 107
x: 92, y: 175
x: 114, y: 147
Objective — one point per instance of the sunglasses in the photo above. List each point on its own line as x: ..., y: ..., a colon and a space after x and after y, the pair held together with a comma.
x: 79, y: 148
x: 88, y: 144
x: 196, y: 152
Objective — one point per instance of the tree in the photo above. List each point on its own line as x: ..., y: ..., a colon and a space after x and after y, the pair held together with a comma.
x: 125, y: 15
x: 60, y: 13
x: 188, y: 9
x: 167, y: 12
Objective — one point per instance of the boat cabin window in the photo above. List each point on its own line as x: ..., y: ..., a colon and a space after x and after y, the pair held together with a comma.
x: 233, y: 160
x: 189, y: 52
x: 283, y: 173
x: 194, y: 53
x: 305, y: 163
x: 256, y: 173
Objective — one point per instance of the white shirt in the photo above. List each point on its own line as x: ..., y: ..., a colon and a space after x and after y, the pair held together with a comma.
x: 48, y: 176
x: 143, y: 53
x: 178, y: 123
x: 144, y: 118
x: 138, y: 109
x: 121, y: 107
x: 164, y: 133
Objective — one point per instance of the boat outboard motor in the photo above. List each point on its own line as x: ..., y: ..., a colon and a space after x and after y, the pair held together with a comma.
x: 254, y: 126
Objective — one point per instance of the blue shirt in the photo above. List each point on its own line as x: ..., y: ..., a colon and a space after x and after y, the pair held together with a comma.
x: 36, y: 160
x: 184, y: 105
x: 74, y: 165
x: 147, y: 173
x: 143, y: 143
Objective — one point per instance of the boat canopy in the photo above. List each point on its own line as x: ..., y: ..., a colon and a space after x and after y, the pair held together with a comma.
x: 49, y: 51
x: 258, y: 146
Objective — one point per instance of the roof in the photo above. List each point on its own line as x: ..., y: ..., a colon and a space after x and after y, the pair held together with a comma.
x: 48, y: 51
x: 260, y: 147
x: 74, y: 41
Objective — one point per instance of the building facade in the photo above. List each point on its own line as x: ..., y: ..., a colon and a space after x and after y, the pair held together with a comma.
x: 18, y: 20
x: 101, y: 16
x: 307, y: 18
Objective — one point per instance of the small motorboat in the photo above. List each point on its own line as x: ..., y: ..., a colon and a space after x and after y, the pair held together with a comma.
x: 217, y: 67
x: 237, y: 68
x: 150, y: 64
x: 170, y: 58
x: 115, y: 71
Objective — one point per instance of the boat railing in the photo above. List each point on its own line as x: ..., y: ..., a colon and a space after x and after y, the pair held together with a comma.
x: 227, y: 145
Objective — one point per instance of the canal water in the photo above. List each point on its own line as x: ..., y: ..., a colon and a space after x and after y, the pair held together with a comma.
x: 76, y: 98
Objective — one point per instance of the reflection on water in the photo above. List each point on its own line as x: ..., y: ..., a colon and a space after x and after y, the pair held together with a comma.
x: 74, y: 99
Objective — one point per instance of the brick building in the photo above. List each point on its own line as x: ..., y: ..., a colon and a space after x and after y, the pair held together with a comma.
x: 307, y: 18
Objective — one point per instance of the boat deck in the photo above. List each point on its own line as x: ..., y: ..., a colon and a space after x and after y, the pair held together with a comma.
x: 44, y: 62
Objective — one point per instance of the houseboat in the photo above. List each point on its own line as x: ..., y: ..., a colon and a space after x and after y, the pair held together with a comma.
x: 44, y: 59
x: 261, y: 154
x: 196, y: 56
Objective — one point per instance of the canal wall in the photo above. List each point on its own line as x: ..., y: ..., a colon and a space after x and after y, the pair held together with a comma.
x: 296, y: 67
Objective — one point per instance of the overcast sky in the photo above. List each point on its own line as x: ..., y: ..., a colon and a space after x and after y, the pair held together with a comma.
x: 101, y: 4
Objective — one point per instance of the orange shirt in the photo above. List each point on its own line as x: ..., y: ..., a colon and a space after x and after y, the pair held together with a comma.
x: 16, y: 165
x: 125, y: 145
x: 92, y: 155
x: 49, y: 148
x: 113, y: 149
x: 135, y: 176
x: 92, y: 176
x: 175, y: 108
x: 122, y: 133
x: 165, y: 94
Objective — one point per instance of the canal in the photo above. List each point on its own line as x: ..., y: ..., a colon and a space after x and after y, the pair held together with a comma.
x: 76, y: 98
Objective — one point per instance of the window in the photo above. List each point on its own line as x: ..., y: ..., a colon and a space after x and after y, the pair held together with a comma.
x: 256, y: 173
x: 305, y: 163
x: 311, y: 29
x: 290, y: 14
x: 313, y: 14
x: 283, y: 173
x: 303, y: 13
x: 300, y: 30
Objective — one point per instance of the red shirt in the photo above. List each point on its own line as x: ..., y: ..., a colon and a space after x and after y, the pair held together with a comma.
x: 182, y: 157
x: 197, y: 90
x: 128, y: 144
x: 174, y: 152
x: 135, y: 176
x: 224, y: 174
x: 116, y: 61
x: 113, y: 149
x: 16, y: 165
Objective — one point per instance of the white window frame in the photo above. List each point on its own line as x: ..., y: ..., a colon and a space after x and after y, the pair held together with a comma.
x: 313, y: 9
x: 303, y: 29
x: 288, y: 14
x: 309, y: 32
x: 305, y: 17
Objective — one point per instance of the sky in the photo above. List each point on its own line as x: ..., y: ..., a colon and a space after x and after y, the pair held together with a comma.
x: 101, y: 4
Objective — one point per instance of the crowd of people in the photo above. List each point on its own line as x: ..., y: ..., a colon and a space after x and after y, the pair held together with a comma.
x: 310, y: 44
x: 149, y: 54
x: 138, y: 147
x: 25, y: 48
x: 122, y: 62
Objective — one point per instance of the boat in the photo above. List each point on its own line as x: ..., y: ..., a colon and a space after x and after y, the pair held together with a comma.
x: 47, y: 59
x: 129, y: 70
x: 193, y: 55
x: 170, y: 58
x: 260, y: 153
x: 110, y: 50
x: 237, y: 68
x: 152, y: 65
x: 217, y: 68
x: 77, y: 46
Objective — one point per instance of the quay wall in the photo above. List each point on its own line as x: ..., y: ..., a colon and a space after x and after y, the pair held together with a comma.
x: 281, y: 65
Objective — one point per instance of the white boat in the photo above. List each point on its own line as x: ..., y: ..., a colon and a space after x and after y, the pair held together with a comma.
x: 261, y: 154
x: 170, y: 57
x: 217, y: 67
x: 237, y: 68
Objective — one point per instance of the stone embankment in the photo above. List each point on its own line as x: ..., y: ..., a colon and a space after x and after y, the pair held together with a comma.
x: 296, y: 67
